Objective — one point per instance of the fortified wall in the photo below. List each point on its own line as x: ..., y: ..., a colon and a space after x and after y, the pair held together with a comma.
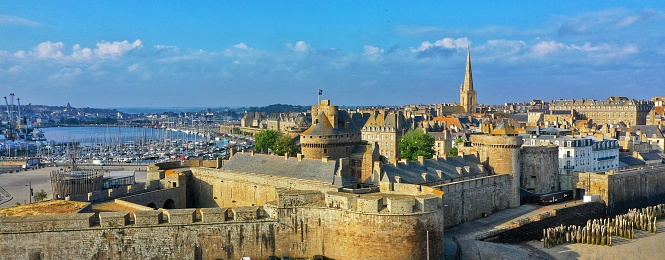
x: 500, y: 154
x: 621, y: 190
x: 473, y: 199
x: 289, y: 216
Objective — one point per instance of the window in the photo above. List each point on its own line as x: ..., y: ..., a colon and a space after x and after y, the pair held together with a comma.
x: 325, y: 151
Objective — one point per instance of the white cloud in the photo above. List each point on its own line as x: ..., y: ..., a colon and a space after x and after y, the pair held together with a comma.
x: 446, y: 43
x: 372, y: 52
x: 166, y: 47
x: 601, y: 51
x: 116, y: 48
x: 546, y: 47
x: 79, y: 53
x: 14, y: 20
x: 66, y: 73
x: 49, y: 50
x: 242, y: 46
x: 299, y: 46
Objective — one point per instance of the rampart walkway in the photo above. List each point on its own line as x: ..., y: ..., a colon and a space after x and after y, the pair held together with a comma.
x: 467, y: 235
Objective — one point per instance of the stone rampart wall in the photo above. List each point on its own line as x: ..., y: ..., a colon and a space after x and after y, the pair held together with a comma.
x: 344, y: 234
x: 109, y: 194
x: 222, y: 188
x: 469, y: 200
x: 540, y: 169
x: 622, y: 190
x: 224, y: 234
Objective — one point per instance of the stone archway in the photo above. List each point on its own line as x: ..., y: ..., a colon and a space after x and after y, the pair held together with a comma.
x: 152, y: 205
x: 169, y: 204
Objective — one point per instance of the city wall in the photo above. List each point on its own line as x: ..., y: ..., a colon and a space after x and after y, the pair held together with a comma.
x: 472, y: 199
x: 222, y: 188
x: 621, y: 190
x: 104, y: 195
x: 540, y: 169
x: 299, y: 224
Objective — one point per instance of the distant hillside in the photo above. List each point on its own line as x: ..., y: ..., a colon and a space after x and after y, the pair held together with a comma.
x: 276, y: 108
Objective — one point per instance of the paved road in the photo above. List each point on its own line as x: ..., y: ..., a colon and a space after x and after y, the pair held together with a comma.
x: 16, y: 184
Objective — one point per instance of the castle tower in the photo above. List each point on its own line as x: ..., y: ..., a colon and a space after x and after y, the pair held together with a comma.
x: 333, y: 133
x: 499, y: 152
x: 467, y: 94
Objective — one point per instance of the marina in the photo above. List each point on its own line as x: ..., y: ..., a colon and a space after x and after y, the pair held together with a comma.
x: 109, y: 145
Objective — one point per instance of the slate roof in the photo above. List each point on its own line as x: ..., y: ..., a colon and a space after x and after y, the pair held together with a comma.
x: 307, y: 169
x: 651, y: 131
x: 651, y: 156
x: 520, y: 117
x: 322, y: 126
x: 504, y: 128
x: 630, y: 161
x: 412, y: 171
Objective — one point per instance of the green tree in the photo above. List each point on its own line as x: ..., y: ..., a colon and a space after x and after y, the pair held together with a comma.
x: 416, y: 143
x: 265, y: 140
x: 40, y: 195
x: 284, y: 144
x: 454, y: 150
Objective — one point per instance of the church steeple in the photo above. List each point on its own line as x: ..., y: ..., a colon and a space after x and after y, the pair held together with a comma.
x: 468, y: 76
x: 467, y: 93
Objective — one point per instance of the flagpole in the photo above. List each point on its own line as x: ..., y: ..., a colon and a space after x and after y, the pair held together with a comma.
x: 318, y: 97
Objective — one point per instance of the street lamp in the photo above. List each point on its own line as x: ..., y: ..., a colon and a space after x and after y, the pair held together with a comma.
x: 30, y: 185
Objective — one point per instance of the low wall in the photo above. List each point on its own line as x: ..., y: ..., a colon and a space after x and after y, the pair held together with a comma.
x: 104, y: 195
x: 471, y: 199
x: 576, y: 214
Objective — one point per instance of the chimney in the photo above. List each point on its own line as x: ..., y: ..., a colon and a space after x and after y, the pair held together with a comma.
x: 300, y: 156
x: 325, y: 159
x: 421, y: 160
x: 440, y: 174
x: 424, y: 174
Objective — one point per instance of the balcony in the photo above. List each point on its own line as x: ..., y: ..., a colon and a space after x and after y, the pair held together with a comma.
x: 606, y: 158
x: 569, y: 167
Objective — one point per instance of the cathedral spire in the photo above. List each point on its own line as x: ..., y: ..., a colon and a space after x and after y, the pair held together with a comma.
x: 468, y: 77
x: 467, y: 93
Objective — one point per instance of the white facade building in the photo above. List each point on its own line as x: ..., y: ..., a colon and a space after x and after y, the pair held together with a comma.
x: 580, y: 154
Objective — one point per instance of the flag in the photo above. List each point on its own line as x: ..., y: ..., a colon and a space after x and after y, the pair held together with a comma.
x: 320, y: 92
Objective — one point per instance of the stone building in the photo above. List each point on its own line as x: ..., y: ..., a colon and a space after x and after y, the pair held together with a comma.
x: 287, y: 122
x: 588, y: 153
x: 333, y: 133
x: 611, y: 111
x: 468, y: 98
x: 386, y: 129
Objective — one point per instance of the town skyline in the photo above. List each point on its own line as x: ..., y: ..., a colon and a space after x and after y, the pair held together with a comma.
x: 111, y: 55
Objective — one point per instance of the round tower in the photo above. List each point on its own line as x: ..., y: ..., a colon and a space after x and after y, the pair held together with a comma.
x: 499, y: 152
x: 332, y: 133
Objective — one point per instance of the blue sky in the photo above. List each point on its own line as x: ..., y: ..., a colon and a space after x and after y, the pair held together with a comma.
x: 241, y: 53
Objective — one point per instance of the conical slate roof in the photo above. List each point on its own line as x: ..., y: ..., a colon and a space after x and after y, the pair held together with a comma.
x: 322, y: 126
